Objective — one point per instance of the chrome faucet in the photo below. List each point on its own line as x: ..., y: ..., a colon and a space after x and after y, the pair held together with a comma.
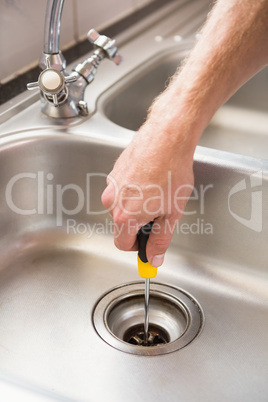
x: 62, y: 94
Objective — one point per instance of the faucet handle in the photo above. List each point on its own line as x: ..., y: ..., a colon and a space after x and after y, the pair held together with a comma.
x: 107, y: 45
x: 53, y: 83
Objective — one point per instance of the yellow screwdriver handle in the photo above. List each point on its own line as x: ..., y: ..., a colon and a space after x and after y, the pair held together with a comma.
x: 146, y: 270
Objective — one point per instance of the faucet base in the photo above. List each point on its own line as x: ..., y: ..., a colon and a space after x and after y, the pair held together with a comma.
x: 55, y: 60
x: 66, y: 110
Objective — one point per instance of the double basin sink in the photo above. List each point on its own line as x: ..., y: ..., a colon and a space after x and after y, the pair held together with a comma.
x: 58, y: 260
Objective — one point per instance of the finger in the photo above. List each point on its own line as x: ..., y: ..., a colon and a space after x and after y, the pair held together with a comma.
x: 125, y: 232
x: 108, y: 197
x: 159, y: 240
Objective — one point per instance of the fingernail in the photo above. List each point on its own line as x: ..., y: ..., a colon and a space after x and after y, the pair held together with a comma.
x: 158, y: 260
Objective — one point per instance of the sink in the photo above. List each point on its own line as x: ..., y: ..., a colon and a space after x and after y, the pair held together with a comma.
x: 239, y: 126
x: 71, y: 304
x: 58, y: 262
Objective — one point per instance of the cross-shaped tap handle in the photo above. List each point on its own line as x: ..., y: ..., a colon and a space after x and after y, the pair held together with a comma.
x: 107, y: 45
x: 52, y: 82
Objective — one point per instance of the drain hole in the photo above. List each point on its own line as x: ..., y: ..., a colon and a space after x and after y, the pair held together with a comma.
x: 156, y: 336
x: 168, y: 319
x: 175, y: 319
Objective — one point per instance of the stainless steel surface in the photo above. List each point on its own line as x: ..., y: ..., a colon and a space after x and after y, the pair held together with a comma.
x: 58, y: 256
x: 173, y: 312
x: 146, y: 310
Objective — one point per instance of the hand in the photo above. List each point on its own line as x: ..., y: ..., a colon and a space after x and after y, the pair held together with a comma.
x: 153, y: 177
x: 151, y: 181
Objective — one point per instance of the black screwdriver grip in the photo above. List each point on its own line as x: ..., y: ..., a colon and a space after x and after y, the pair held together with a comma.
x: 143, y: 236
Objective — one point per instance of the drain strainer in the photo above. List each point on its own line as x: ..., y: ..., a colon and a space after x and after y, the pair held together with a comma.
x: 175, y: 319
x: 156, y: 335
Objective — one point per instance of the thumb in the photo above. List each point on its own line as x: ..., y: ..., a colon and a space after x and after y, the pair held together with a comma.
x: 159, y: 240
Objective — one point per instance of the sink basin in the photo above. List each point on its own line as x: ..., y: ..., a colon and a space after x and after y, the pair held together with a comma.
x: 239, y: 126
x: 71, y: 304
x: 58, y: 261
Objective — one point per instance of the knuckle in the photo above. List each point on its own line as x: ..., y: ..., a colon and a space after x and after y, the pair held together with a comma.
x: 107, y: 199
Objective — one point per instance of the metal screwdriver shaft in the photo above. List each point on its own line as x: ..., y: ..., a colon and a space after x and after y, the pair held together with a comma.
x: 146, y: 311
x: 146, y: 271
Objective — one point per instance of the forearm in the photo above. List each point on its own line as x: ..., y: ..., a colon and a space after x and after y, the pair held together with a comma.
x: 232, y: 47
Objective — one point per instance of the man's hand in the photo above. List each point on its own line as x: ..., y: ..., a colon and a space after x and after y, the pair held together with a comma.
x: 151, y: 181
x: 153, y: 178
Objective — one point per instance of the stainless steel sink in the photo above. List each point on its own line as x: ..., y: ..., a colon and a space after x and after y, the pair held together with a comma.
x: 58, y: 261
x: 70, y: 301
x: 240, y: 126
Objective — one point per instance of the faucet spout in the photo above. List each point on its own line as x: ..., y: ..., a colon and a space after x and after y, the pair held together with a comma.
x: 62, y: 94
x: 52, y: 26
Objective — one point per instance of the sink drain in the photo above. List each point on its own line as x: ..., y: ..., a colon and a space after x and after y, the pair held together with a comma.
x: 156, y: 335
x: 175, y: 319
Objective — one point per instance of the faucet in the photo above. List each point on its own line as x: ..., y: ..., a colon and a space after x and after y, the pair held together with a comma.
x: 62, y: 94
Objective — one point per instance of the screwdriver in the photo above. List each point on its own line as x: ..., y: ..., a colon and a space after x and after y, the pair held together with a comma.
x: 146, y: 271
